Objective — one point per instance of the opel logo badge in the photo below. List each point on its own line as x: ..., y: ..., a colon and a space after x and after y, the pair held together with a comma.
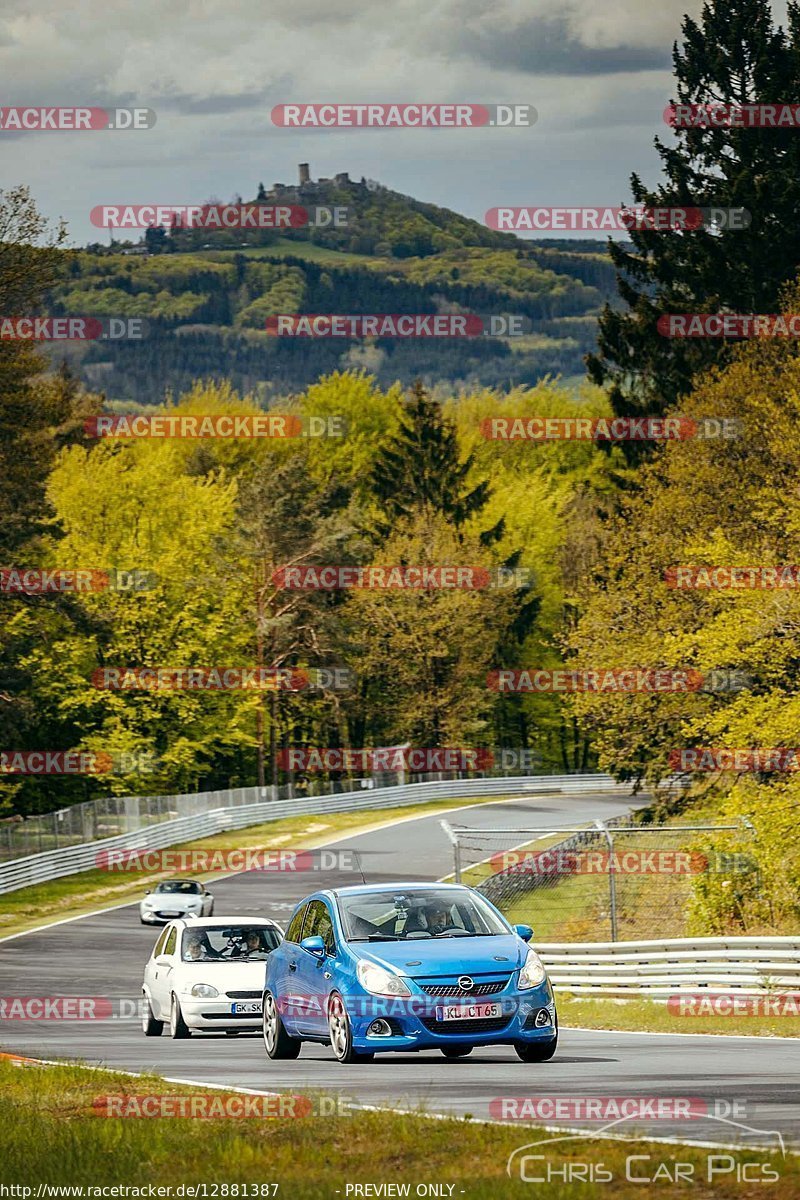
x: 465, y: 983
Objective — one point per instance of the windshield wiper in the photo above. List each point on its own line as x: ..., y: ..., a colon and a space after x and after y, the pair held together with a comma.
x: 377, y: 937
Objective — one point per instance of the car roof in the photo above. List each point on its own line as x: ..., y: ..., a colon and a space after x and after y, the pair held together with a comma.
x: 215, y: 922
x: 418, y: 886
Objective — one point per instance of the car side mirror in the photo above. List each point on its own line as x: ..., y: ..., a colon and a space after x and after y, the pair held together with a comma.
x: 523, y: 931
x: 314, y: 945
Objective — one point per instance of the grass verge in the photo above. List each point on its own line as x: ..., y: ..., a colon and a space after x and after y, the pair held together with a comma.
x: 73, y: 895
x: 653, y: 1016
x: 49, y: 1135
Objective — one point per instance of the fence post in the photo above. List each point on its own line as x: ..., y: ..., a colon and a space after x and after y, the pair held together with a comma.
x: 453, y: 836
x: 612, y: 879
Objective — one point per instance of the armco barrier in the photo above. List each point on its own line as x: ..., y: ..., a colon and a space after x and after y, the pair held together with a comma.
x: 670, y: 965
x: 36, y: 868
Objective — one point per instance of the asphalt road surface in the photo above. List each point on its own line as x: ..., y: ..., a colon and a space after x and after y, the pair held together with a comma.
x: 752, y: 1085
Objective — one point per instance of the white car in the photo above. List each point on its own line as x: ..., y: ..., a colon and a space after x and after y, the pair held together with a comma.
x: 175, y: 898
x: 207, y: 974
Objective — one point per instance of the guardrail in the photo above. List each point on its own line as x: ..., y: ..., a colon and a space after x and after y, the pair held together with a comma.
x: 670, y: 965
x: 71, y: 860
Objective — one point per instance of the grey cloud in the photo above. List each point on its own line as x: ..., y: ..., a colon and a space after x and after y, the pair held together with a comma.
x: 549, y: 47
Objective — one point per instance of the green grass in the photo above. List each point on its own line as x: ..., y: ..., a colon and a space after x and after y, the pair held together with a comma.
x: 286, y: 248
x: 31, y: 907
x: 48, y: 1135
x: 653, y: 1016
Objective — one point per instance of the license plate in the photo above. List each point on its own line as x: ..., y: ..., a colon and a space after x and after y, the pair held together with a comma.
x: 247, y: 1006
x: 468, y: 1012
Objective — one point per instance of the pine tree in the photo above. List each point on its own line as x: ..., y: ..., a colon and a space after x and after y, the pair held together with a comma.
x: 420, y: 469
x: 735, y: 55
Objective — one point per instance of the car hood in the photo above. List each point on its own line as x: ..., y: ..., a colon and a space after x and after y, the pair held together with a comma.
x: 224, y: 976
x: 447, y: 956
x: 171, y: 901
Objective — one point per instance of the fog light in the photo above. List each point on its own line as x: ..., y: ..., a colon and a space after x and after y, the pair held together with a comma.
x: 380, y: 1028
x: 542, y: 1018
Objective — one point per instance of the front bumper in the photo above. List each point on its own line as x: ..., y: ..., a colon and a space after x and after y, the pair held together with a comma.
x: 526, y: 1016
x: 152, y: 917
x: 202, y: 1013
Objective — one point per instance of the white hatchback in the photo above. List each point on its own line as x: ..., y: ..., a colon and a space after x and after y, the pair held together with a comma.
x: 207, y: 974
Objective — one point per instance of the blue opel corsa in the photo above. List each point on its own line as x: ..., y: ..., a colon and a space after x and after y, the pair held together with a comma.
x: 406, y: 966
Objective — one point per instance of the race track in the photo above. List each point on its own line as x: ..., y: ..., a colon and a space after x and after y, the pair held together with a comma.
x: 103, y: 955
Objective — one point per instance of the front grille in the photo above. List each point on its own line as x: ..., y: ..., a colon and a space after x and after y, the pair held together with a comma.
x: 252, y: 995
x: 228, y: 1017
x: 453, y: 989
x: 168, y: 916
x: 484, y: 1025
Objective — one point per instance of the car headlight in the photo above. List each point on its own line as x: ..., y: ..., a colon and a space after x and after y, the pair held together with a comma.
x: 206, y: 990
x: 533, y: 971
x: 379, y: 981
x: 148, y: 903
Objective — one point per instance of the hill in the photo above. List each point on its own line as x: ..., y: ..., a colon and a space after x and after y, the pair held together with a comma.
x: 206, y: 296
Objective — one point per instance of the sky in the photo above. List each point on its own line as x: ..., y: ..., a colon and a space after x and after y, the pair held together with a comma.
x: 598, y: 72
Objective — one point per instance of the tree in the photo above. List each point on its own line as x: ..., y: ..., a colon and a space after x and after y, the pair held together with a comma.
x: 733, y: 56
x: 38, y: 414
x: 420, y: 469
x: 155, y: 239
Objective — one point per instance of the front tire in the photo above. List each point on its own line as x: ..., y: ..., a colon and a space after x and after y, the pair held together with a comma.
x: 341, y: 1033
x: 277, y: 1042
x: 533, y: 1052
x: 150, y: 1026
x: 177, y: 1026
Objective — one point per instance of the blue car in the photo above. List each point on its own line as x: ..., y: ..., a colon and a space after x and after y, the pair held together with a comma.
x: 406, y: 966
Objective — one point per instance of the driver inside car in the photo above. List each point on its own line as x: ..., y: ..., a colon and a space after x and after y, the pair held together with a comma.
x: 439, y: 919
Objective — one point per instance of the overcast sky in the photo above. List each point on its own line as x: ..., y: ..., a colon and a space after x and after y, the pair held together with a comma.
x: 598, y: 72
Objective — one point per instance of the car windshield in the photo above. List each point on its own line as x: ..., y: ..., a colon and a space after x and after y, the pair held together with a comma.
x: 436, y: 912
x: 226, y: 943
x: 179, y: 885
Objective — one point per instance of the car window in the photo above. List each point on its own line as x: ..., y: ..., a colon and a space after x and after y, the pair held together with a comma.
x: 318, y: 923
x: 160, y: 943
x: 172, y: 939
x: 226, y: 943
x: 386, y: 915
x: 182, y: 886
x: 293, y: 933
